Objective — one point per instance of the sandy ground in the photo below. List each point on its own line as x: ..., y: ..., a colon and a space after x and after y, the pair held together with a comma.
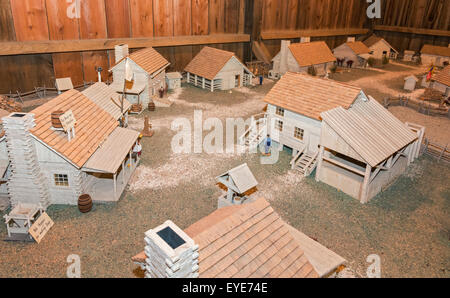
x: 408, y: 225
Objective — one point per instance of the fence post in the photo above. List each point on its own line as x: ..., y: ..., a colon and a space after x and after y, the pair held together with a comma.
x: 442, y: 153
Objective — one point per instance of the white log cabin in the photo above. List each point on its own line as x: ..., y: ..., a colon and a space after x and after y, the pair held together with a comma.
x: 149, y: 72
x: 215, y: 69
x: 352, y: 50
x: 47, y: 168
x: 380, y: 48
x: 299, y: 57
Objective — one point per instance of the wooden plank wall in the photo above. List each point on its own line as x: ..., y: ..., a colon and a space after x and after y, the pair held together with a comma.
x: 427, y: 14
x: 308, y: 14
x: 26, y: 20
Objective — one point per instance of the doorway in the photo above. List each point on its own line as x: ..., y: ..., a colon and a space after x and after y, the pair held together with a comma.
x: 237, y: 81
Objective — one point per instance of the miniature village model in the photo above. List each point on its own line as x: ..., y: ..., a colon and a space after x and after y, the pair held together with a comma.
x: 207, y: 140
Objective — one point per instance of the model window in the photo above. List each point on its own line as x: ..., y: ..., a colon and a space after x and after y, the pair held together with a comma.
x: 279, y: 125
x: 299, y: 133
x: 61, y: 180
x: 280, y: 112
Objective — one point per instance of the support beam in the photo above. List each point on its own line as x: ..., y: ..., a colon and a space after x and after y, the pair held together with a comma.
x: 365, y: 185
x: 65, y: 46
x: 411, y: 30
x: 291, y: 34
x: 342, y: 165
x: 320, y: 163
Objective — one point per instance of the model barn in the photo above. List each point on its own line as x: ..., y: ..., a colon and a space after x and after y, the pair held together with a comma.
x: 441, y: 81
x: 51, y: 166
x: 149, y: 73
x: 299, y: 57
x: 380, y: 48
x: 293, y: 113
x: 109, y: 100
x: 215, y: 69
x: 364, y: 148
x: 244, y: 241
x: 435, y: 55
x: 355, y: 51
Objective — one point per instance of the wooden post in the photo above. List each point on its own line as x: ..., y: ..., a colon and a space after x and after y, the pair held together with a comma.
x: 188, y: 77
x: 212, y: 85
x: 115, y: 186
x: 365, y: 185
x: 203, y: 83
x: 320, y: 163
x: 195, y: 80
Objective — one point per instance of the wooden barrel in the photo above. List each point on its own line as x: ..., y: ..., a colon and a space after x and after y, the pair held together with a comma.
x: 56, y: 123
x: 85, y: 203
x: 136, y: 108
x: 151, y: 106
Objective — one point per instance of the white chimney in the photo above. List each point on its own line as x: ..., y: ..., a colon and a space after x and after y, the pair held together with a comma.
x: 351, y: 39
x: 121, y: 51
x: 284, y: 56
x: 170, y: 252
x: 305, y: 39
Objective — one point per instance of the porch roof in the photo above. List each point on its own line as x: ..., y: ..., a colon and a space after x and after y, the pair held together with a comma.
x: 110, y: 155
x: 136, y: 89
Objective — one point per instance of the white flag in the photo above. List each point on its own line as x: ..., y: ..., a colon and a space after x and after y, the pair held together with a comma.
x: 128, y: 71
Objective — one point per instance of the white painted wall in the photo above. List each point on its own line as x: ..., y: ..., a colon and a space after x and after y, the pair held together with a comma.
x: 229, y: 72
x: 434, y: 60
x: 294, y: 67
x: 379, y: 48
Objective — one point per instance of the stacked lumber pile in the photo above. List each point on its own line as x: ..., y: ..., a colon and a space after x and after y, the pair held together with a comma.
x: 432, y: 95
x: 10, y: 104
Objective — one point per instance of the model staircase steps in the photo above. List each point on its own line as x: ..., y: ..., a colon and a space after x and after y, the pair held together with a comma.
x: 306, y: 164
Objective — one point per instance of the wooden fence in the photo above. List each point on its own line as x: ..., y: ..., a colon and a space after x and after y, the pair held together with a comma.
x: 437, y: 151
x: 423, y: 107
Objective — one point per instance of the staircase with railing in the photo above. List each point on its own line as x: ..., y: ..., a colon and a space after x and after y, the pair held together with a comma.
x: 256, y: 133
x: 305, y: 162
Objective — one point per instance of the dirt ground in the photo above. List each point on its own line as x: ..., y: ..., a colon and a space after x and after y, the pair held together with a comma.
x: 408, y: 225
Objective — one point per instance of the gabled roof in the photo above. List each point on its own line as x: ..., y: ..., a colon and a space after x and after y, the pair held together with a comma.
x: 370, y: 130
x: 358, y: 47
x: 209, y: 62
x: 311, y: 53
x: 310, y: 96
x: 435, y: 50
x: 242, y: 178
x: 148, y: 59
x: 93, y: 126
x: 63, y: 84
x: 372, y: 40
x: 248, y: 241
x: 443, y: 76
x: 413, y: 77
x: 106, y: 98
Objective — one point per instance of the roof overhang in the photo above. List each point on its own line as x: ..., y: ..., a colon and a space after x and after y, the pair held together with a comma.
x: 110, y: 155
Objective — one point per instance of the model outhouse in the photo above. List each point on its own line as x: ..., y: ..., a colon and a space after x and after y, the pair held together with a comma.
x: 215, y: 69
x: 380, y: 48
x: 435, y: 55
x: 173, y: 80
x: 149, y: 74
x: 352, y: 50
x: 410, y: 83
x: 300, y: 57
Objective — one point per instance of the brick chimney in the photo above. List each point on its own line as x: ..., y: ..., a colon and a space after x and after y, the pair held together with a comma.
x: 121, y: 51
x: 284, y: 56
x: 351, y: 39
x: 305, y: 39
x: 170, y: 252
x: 26, y: 184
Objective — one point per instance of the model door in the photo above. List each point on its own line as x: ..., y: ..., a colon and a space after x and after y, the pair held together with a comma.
x: 238, y: 81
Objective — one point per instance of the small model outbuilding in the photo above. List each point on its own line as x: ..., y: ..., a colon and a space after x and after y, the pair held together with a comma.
x: 355, y: 51
x: 173, y: 80
x: 63, y: 84
x: 380, y: 48
x: 410, y: 83
x: 215, y: 69
x: 300, y: 57
x: 408, y: 55
x: 441, y: 81
x: 435, y: 55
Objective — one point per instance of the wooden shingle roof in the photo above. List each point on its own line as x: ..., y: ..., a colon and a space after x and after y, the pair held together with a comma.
x: 358, y: 47
x: 248, y: 241
x: 209, y: 62
x: 435, y: 50
x: 310, y: 96
x: 443, y: 76
x: 148, y: 59
x: 311, y: 53
x: 93, y: 126
x: 372, y: 40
